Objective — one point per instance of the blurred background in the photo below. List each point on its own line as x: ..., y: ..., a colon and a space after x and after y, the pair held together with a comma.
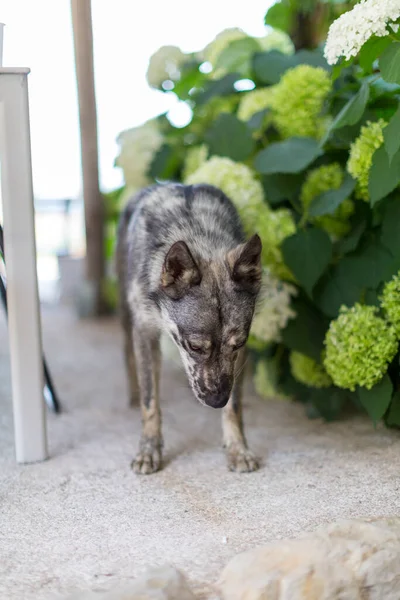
x: 124, y: 39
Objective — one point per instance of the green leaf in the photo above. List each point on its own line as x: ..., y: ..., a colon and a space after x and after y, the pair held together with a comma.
x: 371, y: 298
x: 391, y: 135
x: 111, y: 202
x: 371, y: 51
x: 393, y: 417
x: 110, y: 240
x: 237, y: 56
x: 352, y: 112
x: 337, y: 288
x: 306, y: 333
x: 389, y: 63
x: 328, y: 202
x: 350, y: 242
x: 380, y: 87
x: 290, y: 156
x: 289, y: 386
x: 256, y: 121
x: 219, y: 87
x: 269, y: 66
x: 343, y: 137
x: 280, y: 16
x: 377, y: 400
x: 326, y: 403
x: 384, y: 176
x: 314, y: 58
x: 392, y: 269
x: 347, y: 282
x: 378, y: 211
x: 340, y: 67
x: 164, y: 164
x: 307, y: 254
x: 190, y: 79
x: 230, y: 137
x: 281, y: 187
x: 369, y: 265
x: 390, y: 235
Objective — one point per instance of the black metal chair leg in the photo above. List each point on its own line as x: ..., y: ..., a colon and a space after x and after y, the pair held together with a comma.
x: 3, y: 294
x: 53, y: 401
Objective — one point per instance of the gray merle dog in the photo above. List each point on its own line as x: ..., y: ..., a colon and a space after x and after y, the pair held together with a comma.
x: 184, y: 267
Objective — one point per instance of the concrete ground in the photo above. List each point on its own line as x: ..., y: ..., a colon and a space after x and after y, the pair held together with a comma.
x: 83, y: 520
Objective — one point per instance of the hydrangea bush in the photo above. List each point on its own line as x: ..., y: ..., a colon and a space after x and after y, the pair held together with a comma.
x: 306, y: 143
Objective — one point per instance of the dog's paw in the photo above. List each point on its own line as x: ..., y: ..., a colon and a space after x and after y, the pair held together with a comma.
x: 148, y: 460
x: 241, y: 460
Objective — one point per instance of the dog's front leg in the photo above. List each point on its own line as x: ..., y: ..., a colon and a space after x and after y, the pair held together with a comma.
x: 148, y: 359
x: 240, y: 458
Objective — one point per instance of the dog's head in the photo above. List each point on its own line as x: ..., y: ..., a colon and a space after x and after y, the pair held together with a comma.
x: 207, y: 309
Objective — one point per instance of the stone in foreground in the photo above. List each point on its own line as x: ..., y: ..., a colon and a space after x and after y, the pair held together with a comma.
x: 347, y: 560
x: 164, y: 583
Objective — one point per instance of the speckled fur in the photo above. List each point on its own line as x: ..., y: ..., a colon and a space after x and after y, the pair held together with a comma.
x: 185, y: 268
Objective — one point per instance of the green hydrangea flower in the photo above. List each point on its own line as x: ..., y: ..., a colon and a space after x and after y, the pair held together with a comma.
x: 277, y: 40
x: 359, y: 347
x: 336, y: 228
x: 307, y: 371
x: 241, y: 185
x: 361, y: 153
x: 236, y: 180
x: 390, y: 302
x: 298, y: 100
x: 318, y: 181
x: 322, y: 179
x: 254, y: 102
x: 266, y: 380
x: 194, y: 158
x: 274, y: 226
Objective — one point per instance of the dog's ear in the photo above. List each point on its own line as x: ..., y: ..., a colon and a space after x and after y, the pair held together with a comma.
x: 245, y: 264
x: 180, y: 271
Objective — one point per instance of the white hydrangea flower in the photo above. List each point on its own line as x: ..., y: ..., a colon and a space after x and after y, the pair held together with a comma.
x: 165, y: 64
x: 213, y: 50
x: 352, y: 29
x: 137, y: 149
x: 274, y: 311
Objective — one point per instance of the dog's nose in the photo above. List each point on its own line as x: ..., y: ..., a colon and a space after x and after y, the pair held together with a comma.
x: 217, y: 400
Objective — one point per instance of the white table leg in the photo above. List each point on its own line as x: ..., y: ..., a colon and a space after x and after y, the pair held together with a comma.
x: 22, y: 287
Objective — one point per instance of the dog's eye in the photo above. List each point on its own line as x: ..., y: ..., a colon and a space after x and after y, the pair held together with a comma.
x: 237, y: 347
x: 194, y: 347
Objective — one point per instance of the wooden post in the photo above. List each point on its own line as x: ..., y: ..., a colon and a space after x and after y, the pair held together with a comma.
x: 94, y: 211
